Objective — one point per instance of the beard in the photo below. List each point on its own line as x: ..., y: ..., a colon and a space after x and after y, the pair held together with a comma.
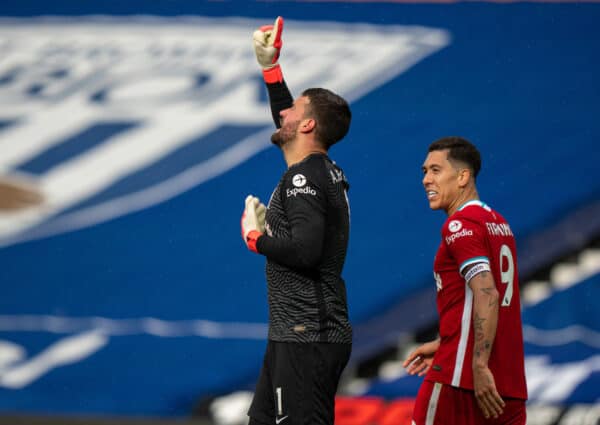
x: 285, y: 134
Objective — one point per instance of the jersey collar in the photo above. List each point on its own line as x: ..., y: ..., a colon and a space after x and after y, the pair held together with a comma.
x: 473, y: 202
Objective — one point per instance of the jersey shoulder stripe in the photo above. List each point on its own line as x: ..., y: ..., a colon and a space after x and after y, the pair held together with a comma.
x: 472, y: 261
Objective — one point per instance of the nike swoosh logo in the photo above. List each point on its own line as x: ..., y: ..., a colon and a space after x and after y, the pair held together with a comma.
x: 279, y: 420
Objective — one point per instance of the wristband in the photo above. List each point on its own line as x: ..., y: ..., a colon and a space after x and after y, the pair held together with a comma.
x: 273, y: 75
x: 251, y: 240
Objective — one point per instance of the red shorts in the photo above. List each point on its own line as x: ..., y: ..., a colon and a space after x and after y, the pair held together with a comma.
x: 441, y: 404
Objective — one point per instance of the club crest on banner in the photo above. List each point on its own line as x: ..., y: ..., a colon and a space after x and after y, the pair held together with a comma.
x: 100, y: 117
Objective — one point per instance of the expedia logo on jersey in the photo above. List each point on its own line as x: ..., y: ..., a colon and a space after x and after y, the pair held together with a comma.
x: 299, y: 181
x: 455, y: 226
x: 464, y: 232
x: 103, y: 117
x: 307, y: 190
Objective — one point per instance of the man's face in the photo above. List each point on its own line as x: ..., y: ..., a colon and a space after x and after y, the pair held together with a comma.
x: 441, y: 181
x: 290, y: 121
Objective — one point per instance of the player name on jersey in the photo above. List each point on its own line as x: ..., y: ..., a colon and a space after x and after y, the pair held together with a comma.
x: 499, y: 229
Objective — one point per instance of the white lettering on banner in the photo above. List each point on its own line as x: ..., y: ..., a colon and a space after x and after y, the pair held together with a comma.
x: 87, y: 335
x: 581, y: 415
x: 464, y: 232
x: 552, y: 383
x: 540, y: 414
x: 20, y: 372
x: 306, y: 190
x: 177, y: 81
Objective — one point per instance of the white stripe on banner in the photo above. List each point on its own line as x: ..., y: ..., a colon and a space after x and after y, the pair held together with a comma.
x: 139, y: 326
x: 566, y: 335
x: 87, y: 335
x: 68, y: 350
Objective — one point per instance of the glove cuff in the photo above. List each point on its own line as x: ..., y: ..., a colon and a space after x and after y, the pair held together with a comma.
x: 251, y: 240
x: 273, y: 75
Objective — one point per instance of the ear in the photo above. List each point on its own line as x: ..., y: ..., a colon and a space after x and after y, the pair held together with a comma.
x: 464, y: 177
x: 307, y: 125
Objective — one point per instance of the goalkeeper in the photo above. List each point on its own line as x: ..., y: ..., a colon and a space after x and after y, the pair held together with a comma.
x: 303, y: 233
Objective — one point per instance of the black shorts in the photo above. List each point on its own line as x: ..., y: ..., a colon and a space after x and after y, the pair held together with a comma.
x: 298, y: 382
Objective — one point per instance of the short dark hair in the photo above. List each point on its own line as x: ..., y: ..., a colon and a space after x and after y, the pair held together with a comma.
x: 459, y: 149
x: 332, y: 114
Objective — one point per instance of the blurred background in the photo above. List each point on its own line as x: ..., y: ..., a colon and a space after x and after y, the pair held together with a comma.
x: 131, y: 132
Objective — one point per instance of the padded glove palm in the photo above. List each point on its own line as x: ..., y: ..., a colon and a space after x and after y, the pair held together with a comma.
x: 267, y: 47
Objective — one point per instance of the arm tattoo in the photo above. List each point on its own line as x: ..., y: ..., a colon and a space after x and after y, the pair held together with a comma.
x: 478, y: 327
x: 493, y: 297
x: 481, y: 346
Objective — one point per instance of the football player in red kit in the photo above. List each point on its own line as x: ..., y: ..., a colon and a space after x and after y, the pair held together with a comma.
x: 474, y: 372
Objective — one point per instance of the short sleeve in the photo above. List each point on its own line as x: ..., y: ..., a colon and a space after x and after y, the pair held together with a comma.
x: 466, y: 242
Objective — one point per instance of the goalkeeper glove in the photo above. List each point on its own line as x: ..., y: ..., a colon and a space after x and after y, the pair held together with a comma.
x: 253, y: 221
x: 267, y: 46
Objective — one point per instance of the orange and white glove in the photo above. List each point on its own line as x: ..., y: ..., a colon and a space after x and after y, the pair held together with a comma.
x: 267, y: 46
x: 253, y: 221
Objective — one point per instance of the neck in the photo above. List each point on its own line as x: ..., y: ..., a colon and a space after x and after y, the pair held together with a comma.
x: 296, y: 152
x: 466, y: 196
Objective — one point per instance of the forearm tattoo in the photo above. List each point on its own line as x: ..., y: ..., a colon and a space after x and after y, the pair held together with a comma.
x: 482, y: 345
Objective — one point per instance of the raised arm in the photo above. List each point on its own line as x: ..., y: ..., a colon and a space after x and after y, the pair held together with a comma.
x: 267, y: 47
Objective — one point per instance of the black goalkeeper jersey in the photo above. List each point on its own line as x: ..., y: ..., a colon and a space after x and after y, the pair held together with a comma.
x: 305, y: 242
x: 307, y: 229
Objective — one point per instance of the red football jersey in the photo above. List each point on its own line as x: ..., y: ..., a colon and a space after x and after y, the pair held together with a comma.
x: 477, y: 234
